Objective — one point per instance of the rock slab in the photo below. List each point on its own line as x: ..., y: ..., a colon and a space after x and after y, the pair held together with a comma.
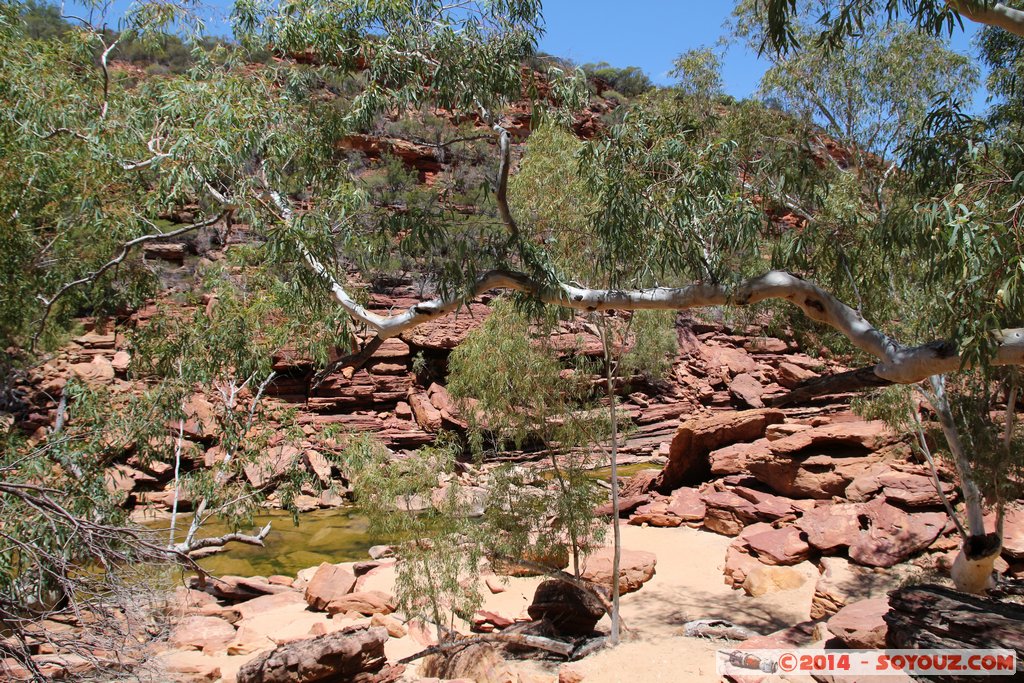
x: 352, y: 654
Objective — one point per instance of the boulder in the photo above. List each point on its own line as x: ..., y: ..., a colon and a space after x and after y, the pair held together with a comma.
x: 366, y: 603
x: 427, y: 416
x: 571, y: 611
x: 567, y: 674
x: 394, y: 627
x: 1013, y: 533
x: 403, y: 411
x: 790, y: 375
x: 189, y: 601
x: 184, y: 670
x: 351, y: 654
x: 783, y: 546
x: 304, y: 503
x: 727, y: 513
x: 120, y: 362
x: 697, y: 437
x: 907, y: 487
x: 487, y: 622
x: 272, y: 465
x: 765, y: 345
x: 626, y: 505
x: 267, y: 603
x: 479, y: 662
x: 318, y: 464
x: 95, y: 373
x: 379, y: 552
x: 842, y: 582
x: 729, y: 510
x: 655, y: 514
x: 442, y: 400
x: 248, y: 640
x: 849, y: 436
x: 860, y: 624
x: 733, y: 459
x: 781, y: 431
x: 738, y: 560
x: 687, y: 505
x: 330, y: 582
x: 640, y: 484
x: 202, y: 633
x: 730, y: 360
x: 200, y: 419
x: 768, y: 506
x: 818, y: 476
x: 747, y: 390
x: 829, y: 528
x: 329, y: 498
x: 236, y: 588
x: 893, y: 535
x: 636, y: 567
x: 764, y: 579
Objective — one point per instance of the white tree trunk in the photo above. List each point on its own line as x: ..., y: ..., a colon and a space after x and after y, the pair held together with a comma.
x: 992, y: 13
x: 973, y: 566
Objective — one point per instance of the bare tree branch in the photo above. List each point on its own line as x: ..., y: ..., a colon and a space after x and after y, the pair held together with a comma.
x: 840, y: 383
x: 972, y: 496
x: 538, y: 642
x: 220, y: 541
x: 126, y: 248
x: 923, y: 442
x: 898, y: 364
x: 501, y: 194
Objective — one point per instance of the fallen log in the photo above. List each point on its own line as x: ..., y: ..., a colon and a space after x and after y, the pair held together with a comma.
x: 935, y: 617
x: 537, y: 642
x: 717, y: 628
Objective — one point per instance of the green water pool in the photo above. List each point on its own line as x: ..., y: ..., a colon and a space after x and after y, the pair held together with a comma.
x: 338, y: 535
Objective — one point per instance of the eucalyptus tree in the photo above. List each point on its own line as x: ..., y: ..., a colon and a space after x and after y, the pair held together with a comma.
x: 952, y: 221
x: 698, y: 72
x: 868, y: 92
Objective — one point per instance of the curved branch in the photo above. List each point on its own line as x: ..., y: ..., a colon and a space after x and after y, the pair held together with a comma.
x: 126, y: 248
x: 220, y: 541
x: 501, y: 195
x: 898, y: 364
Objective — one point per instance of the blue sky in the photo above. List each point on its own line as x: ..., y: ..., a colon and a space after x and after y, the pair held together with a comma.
x: 644, y: 33
x: 651, y: 33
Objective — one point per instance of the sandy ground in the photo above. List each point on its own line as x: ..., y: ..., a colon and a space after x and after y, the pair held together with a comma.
x: 688, y: 585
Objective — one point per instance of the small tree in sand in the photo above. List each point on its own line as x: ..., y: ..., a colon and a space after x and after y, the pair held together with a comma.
x: 512, y: 388
x: 438, y: 544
